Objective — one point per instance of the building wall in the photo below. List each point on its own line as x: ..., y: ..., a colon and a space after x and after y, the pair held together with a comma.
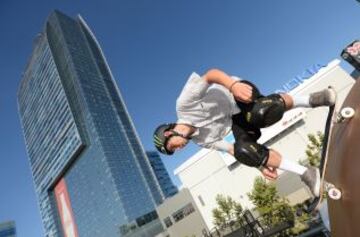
x: 94, y: 152
x: 161, y: 174
x: 7, y: 229
x: 190, y: 224
x: 210, y: 176
x: 51, y: 135
x: 209, y: 173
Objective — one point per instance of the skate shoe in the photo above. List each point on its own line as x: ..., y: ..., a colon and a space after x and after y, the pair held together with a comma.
x: 326, y: 97
x: 311, y: 178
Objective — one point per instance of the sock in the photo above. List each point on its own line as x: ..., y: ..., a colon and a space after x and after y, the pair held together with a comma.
x: 301, y: 101
x: 292, y: 166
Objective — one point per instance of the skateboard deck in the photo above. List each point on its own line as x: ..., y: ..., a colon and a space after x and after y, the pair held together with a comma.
x: 332, y: 191
x: 315, y: 204
x: 343, y: 169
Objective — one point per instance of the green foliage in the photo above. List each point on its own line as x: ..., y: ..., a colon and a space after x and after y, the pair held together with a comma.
x: 268, y: 203
x: 301, y: 221
x: 275, y: 209
x: 227, y: 210
x: 219, y: 218
x: 313, y: 149
x: 313, y: 157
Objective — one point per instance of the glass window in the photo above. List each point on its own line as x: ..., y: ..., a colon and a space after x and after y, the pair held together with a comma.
x: 168, y: 222
x: 201, y: 200
x: 183, y: 212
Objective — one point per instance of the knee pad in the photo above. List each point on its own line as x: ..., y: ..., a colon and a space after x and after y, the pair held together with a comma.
x: 251, y: 153
x: 266, y: 111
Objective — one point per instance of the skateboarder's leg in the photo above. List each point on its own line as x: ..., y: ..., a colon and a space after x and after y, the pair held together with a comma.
x: 249, y: 152
x: 275, y: 160
x: 267, y: 110
x: 252, y: 154
x: 309, y: 175
x: 326, y: 97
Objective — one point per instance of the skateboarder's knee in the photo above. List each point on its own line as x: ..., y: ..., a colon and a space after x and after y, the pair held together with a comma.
x: 251, y: 153
x: 266, y: 111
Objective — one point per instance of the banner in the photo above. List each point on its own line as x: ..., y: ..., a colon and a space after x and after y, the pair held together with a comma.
x: 65, y: 210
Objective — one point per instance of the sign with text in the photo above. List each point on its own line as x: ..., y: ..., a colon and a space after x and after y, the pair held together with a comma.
x: 299, y: 79
x: 65, y: 210
x: 352, y: 54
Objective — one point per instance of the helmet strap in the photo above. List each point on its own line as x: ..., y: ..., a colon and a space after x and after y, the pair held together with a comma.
x: 175, y: 133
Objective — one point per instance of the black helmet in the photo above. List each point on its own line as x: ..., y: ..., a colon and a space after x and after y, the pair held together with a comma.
x: 160, y: 140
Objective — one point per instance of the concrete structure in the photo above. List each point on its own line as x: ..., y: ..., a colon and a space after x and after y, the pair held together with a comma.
x: 180, y: 216
x: 161, y: 174
x: 7, y: 229
x: 209, y: 173
x: 91, y: 174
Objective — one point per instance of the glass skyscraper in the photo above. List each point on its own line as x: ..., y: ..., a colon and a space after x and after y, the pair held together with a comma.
x: 162, y: 176
x: 7, y: 229
x: 91, y: 174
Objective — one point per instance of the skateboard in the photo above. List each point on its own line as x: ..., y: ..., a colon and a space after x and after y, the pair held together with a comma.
x: 333, y: 192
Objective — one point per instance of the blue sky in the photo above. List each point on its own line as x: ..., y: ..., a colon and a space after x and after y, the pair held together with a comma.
x: 152, y: 47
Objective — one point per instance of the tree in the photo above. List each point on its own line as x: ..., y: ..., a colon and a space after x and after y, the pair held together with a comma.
x: 227, y: 211
x: 268, y: 203
x: 314, y: 149
x: 275, y: 209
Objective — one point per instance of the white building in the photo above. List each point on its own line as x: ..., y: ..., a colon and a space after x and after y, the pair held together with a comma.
x: 180, y: 216
x: 209, y: 173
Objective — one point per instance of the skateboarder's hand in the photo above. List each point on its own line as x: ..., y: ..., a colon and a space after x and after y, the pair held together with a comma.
x: 242, y: 92
x: 269, y: 173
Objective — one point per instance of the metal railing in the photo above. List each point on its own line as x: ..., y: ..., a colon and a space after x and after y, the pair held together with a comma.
x: 249, y: 226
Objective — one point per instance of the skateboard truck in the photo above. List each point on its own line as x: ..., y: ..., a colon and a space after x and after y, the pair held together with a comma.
x: 333, y: 192
x: 345, y: 114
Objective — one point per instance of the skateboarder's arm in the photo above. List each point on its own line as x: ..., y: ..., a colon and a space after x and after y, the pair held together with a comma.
x: 241, y: 91
x: 224, y: 146
x: 193, y: 91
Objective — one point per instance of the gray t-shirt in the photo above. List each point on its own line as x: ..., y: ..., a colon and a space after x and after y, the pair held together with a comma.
x: 209, y: 108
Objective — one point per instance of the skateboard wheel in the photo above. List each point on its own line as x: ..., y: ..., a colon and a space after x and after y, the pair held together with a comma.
x: 347, y: 112
x: 334, y: 193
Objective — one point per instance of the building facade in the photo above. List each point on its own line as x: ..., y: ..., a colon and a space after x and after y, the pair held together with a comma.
x: 162, y: 176
x: 208, y: 173
x: 7, y: 229
x: 87, y: 162
x: 181, y: 217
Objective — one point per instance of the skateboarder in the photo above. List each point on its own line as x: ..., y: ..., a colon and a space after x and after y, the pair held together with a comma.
x: 212, y: 105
